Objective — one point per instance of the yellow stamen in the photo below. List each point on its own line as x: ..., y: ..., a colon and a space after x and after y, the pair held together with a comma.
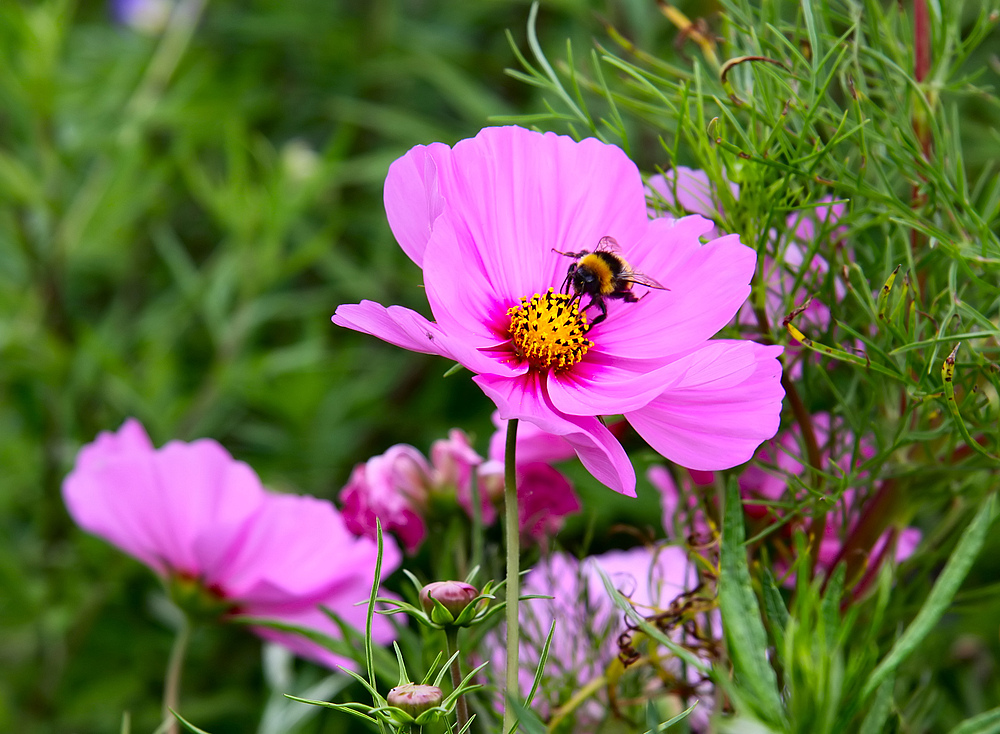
x: 549, y: 331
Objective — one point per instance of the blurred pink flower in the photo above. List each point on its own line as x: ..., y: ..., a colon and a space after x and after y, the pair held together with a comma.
x: 392, y: 487
x: 687, y: 189
x: 836, y: 447
x: 484, y: 220
x: 588, y: 623
x: 452, y: 462
x: 399, y: 487
x: 192, y: 513
x: 545, y: 495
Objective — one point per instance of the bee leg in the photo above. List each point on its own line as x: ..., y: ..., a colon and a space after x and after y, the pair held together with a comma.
x: 630, y: 297
x: 570, y: 254
x: 599, y: 302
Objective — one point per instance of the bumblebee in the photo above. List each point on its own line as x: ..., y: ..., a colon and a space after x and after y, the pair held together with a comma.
x: 602, y: 274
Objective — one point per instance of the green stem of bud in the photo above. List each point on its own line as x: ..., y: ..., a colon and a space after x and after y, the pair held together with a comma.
x: 461, y: 706
x: 513, y: 542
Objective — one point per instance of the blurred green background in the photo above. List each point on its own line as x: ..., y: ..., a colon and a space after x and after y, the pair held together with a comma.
x: 178, y: 220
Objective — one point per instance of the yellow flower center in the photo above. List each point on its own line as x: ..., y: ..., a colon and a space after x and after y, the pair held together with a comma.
x: 549, y: 331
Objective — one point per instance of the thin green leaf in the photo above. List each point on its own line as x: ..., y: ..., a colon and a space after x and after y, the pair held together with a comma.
x: 878, y: 714
x: 187, y: 725
x: 987, y: 722
x: 674, y: 720
x: 741, y: 621
x: 940, y: 597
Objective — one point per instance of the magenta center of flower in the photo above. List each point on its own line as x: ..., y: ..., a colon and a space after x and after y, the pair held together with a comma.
x: 549, y: 331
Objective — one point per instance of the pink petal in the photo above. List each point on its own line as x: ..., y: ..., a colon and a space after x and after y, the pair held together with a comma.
x: 399, y: 326
x: 906, y: 543
x: 708, y: 284
x: 599, y: 451
x: 392, y: 488
x: 131, y: 438
x: 298, y: 549
x: 154, y: 505
x: 413, y: 198
x: 545, y: 497
x: 374, y: 495
x: 724, y: 400
x: 513, y: 196
x: 407, y: 329
x: 603, y: 386
x: 650, y: 577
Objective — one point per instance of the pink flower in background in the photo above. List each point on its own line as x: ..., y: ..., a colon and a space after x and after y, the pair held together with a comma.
x: 194, y: 514
x: 399, y: 486
x: 484, y: 220
x: 545, y: 495
x: 452, y: 462
x: 689, y: 190
x: 392, y: 487
x: 588, y: 623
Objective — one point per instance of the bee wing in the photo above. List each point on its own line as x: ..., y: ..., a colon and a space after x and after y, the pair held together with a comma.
x: 609, y: 244
x: 633, y: 277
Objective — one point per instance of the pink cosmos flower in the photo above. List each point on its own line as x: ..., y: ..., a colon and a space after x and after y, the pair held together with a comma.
x: 545, y: 495
x: 484, y: 221
x: 398, y: 488
x: 195, y: 515
x: 588, y: 624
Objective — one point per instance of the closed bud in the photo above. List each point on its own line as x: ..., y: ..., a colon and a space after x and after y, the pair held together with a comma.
x: 415, y: 698
x: 454, y: 596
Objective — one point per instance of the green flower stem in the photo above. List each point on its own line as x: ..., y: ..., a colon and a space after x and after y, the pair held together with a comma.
x: 513, y: 542
x: 172, y: 685
x: 477, y: 520
x: 461, y: 707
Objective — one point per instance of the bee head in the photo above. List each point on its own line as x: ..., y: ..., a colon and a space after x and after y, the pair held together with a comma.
x: 584, y: 279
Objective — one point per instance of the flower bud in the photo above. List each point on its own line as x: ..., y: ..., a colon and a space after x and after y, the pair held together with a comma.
x: 415, y: 698
x: 454, y: 596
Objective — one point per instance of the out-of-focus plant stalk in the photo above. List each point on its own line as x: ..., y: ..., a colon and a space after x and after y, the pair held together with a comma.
x: 691, y: 30
x: 874, y: 517
x: 512, y: 538
x: 172, y: 684
x: 921, y: 67
x: 477, y: 520
x: 817, y: 528
x: 461, y: 705
x: 176, y: 38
